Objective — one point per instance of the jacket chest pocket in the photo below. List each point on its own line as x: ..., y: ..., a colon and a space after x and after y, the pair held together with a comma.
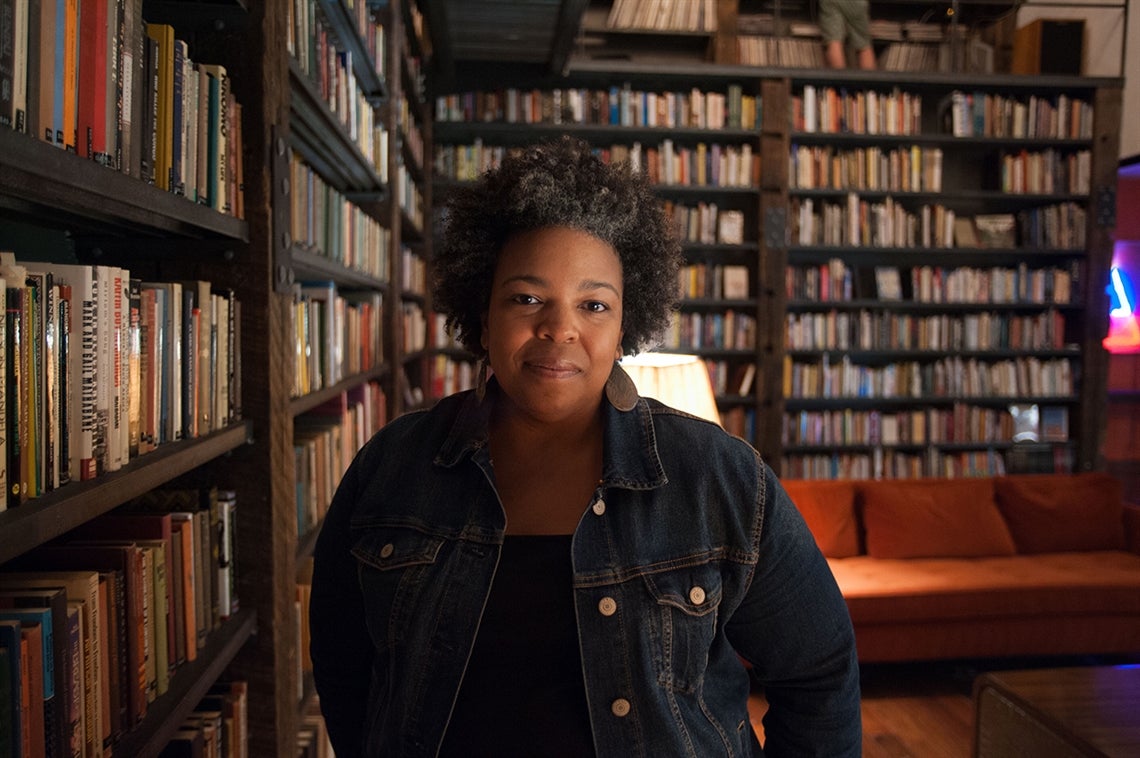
x: 394, y: 565
x: 684, y: 623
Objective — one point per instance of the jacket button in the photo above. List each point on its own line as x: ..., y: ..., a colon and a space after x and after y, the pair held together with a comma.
x: 599, y: 507
x: 697, y: 595
x: 387, y: 550
x: 620, y: 707
x: 607, y: 606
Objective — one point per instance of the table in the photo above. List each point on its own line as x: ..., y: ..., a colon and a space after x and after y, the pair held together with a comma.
x: 1059, y: 712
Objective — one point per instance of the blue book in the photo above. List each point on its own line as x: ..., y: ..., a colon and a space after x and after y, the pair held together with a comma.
x: 10, y: 642
x: 41, y: 616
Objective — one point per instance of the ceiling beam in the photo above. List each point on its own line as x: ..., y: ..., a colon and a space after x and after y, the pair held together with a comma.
x: 570, y: 14
x: 443, y: 63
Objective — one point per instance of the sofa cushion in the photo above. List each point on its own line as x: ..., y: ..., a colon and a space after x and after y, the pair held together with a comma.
x: 1048, y: 513
x: 943, y: 589
x: 933, y: 518
x: 828, y: 507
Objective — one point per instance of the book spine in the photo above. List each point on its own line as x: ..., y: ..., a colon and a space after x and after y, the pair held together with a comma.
x: 41, y: 73
x: 7, y: 69
x: 69, y: 106
x: 65, y: 382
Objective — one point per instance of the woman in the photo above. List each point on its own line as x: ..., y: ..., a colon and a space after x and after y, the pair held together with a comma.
x: 550, y: 565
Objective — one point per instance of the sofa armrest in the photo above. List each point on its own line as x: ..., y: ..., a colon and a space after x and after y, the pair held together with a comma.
x: 1132, y: 526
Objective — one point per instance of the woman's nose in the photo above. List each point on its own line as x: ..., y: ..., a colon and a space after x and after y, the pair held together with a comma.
x: 558, y: 324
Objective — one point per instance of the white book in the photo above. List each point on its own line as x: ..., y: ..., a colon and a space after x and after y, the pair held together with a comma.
x: 82, y: 366
x: 20, y: 67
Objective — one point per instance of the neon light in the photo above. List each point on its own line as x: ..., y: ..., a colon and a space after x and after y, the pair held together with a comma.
x: 1123, y: 329
x: 1121, y: 284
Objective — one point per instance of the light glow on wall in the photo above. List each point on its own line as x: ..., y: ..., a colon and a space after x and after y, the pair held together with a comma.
x: 1123, y: 329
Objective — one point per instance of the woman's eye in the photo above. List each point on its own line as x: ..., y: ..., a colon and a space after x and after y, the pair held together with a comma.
x: 596, y: 306
x: 525, y: 299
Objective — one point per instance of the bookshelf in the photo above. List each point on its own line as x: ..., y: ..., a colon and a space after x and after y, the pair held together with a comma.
x: 907, y: 334
x: 333, y: 190
x: 58, y: 206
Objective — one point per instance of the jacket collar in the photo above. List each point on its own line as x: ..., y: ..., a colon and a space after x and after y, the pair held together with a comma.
x: 630, y: 458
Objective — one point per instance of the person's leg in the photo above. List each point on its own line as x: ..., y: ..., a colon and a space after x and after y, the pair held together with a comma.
x: 834, y: 29
x: 834, y: 55
x: 866, y: 58
x: 858, y: 17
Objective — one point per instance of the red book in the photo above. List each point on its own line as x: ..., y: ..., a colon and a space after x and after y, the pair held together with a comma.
x: 93, y: 75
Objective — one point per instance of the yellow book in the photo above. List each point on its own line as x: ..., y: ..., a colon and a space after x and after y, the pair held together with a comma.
x: 163, y: 34
x: 70, y: 76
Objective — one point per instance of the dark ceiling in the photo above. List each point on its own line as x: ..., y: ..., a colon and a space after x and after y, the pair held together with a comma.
x: 535, y: 32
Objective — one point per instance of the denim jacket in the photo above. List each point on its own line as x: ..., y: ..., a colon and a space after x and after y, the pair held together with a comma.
x: 689, y: 557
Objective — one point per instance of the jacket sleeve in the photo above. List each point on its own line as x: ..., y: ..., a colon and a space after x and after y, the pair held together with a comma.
x: 794, y: 628
x: 340, y: 647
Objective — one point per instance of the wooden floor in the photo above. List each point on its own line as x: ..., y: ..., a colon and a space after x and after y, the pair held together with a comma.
x: 922, y: 710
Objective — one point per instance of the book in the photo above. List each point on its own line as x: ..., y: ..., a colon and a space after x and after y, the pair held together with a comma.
x: 82, y: 589
x: 1054, y: 423
x: 17, y: 716
x: 8, y: 715
x: 93, y: 78
x: 54, y: 600
x: 38, y: 673
x: 163, y: 36
x: 965, y: 234
x: 996, y: 230
x: 888, y: 284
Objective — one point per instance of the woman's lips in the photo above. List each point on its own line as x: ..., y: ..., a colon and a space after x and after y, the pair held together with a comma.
x: 554, y: 369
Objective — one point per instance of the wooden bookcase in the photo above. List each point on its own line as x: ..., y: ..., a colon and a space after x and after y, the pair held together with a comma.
x: 69, y: 206
x: 968, y: 185
x: 1035, y: 334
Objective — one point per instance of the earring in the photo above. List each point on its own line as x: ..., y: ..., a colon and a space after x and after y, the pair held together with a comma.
x: 481, y: 378
x: 620, y: 389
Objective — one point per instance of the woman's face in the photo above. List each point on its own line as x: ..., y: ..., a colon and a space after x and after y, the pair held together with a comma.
x: 553, y: 326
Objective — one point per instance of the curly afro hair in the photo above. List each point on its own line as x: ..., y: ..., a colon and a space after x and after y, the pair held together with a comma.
x: 558, y: 183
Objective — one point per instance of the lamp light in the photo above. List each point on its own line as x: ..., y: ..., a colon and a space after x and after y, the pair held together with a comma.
x: 679, y: 381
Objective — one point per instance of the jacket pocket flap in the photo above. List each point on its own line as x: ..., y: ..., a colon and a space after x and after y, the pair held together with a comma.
x: 393, y: 547
x: 695, y: 591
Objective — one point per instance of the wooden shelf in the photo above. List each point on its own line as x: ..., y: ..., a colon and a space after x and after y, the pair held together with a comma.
x: 911, y: 306
x: 494, y: 132
x: 59, y: 511
x: 57, y: 188
x: 190, y: 683
x: 890, y: 355
x: 901, y: 403
x: 300, y: 405
x: 310, y: 266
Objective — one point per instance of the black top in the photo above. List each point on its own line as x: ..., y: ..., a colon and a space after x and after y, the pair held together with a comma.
x: 523, y: 693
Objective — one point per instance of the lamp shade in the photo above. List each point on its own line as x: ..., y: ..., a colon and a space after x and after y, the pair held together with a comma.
x: 679, y: 381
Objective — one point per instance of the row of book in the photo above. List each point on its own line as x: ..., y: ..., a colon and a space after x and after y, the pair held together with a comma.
x: 736, y: 378
x: 120, y: 604
x: 448, y: 375
x: 901, y: 169
x: 664, y: 15
x: 893, y: 464
x: 963, y: 423
x: 948, y: 377
x: 1046, y: 172
x: 409, y: 128
x: 337, y: 333
x: 623, y: 105
x: 705, y: 223
x: 100, y: 368
x: 309, y: 36
x: 704, y: 280
x: 325, y: 440
x: 668, y: 164
x: 862, y: 223
x: 784, y: 52
x: 410, y: 198
x: 877, y: 330
x: 739, y: 421
x: 330, y: 70
x: 835, y: 110
x: 324, y: 221
x: 413, y: 328
x: 724, y: 330
x: 987, y: 114
x: 96, y: 79
x: 836, y: 281
x: 218, y: 727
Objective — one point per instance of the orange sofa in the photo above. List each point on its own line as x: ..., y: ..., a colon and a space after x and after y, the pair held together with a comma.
x: 976, y: 568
